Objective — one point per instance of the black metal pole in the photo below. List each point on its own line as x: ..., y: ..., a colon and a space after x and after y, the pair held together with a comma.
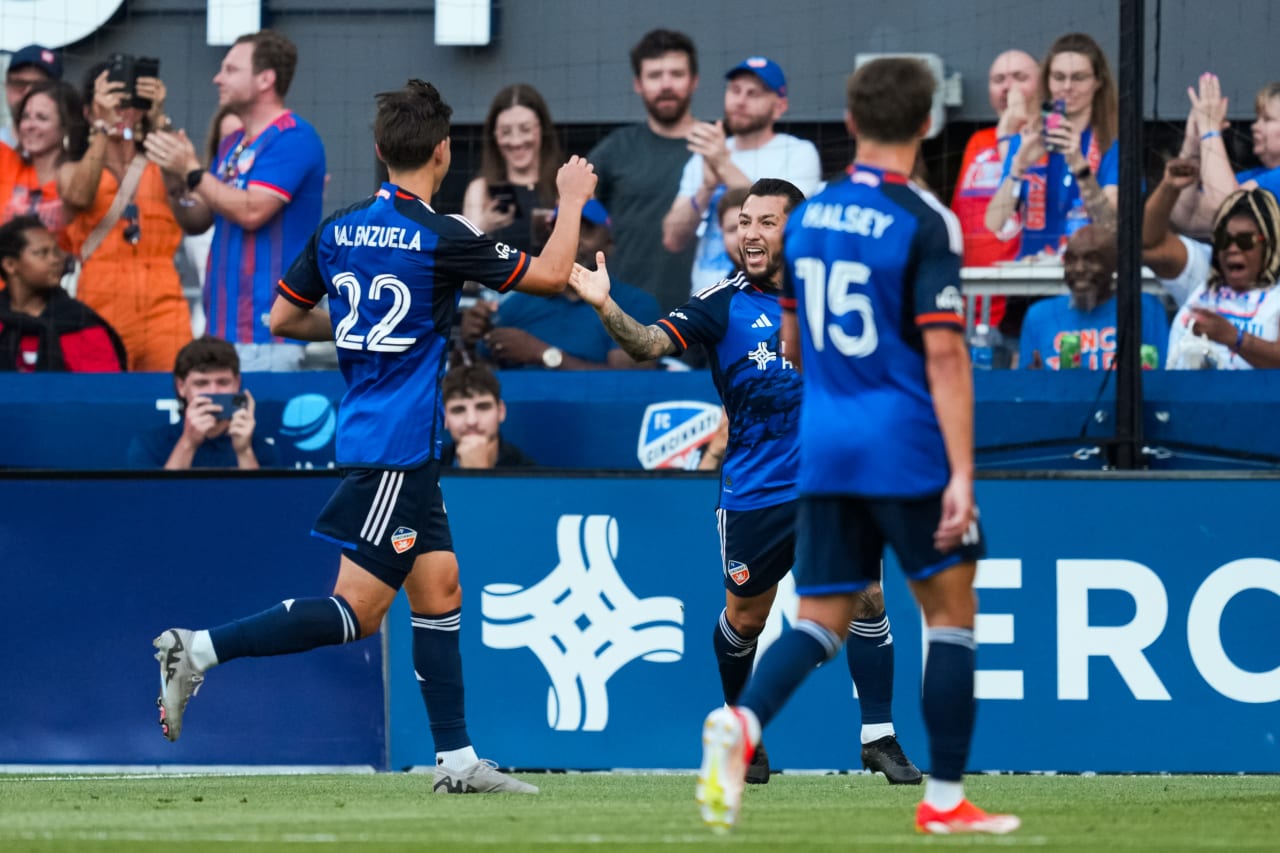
x: 1128, y: 449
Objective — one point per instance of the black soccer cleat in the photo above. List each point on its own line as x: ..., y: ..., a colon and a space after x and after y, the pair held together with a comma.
x: 886, y: 756
x: 758, y: 770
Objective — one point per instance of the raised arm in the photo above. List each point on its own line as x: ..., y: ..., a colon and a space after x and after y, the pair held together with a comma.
x: 1162, y: 251
x: 1194, y: 215
x: 549, y: 272
x: 78, y: 181
x: 642, y: 343
x: 1006, y: 199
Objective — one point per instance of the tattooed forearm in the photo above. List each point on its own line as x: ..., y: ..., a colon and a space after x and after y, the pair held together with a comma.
x: 642, y: 343
x: 1101, y: 213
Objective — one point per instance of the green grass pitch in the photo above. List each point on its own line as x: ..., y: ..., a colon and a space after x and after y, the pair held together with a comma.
x: 386, y: 812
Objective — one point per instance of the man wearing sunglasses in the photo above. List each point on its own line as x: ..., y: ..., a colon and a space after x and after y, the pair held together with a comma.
x: 1087, y: 311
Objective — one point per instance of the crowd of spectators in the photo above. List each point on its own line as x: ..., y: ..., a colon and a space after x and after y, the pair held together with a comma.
x: 107, y: 190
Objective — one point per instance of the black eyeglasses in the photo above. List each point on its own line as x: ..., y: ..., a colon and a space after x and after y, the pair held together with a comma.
x: 1245, y: 241
x: 132, y: 226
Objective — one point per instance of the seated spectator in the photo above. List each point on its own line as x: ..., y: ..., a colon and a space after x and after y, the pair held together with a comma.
x: 1061, y: 170
x: 52, y: 140
x: 473, y: 414
x: 1230, y: 308
x: 1198, y: 206
x: 41, y: 326
x: 27, y: 66
x: 1088, y: 311
x: 557, y: 332
x: 131, y: 226
x: 518, y: 161
x: 1013, y: 89
x: 211, y: 434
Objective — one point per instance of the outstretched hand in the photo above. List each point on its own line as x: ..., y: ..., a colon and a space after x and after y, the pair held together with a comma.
x: 592, y: 285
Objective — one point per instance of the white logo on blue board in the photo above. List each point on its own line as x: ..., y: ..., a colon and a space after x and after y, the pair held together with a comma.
x: 308, y: 421
x: 582, y: 623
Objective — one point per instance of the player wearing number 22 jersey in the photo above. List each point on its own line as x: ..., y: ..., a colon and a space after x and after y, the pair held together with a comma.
x: 872, y: 261
x: 393, y: 269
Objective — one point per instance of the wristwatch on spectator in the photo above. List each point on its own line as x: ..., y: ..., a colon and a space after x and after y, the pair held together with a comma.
x: 552, y: 357
x: 193, y: 179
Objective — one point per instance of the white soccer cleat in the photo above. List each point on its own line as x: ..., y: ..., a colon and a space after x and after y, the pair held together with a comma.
x: 482, y: 777
x: 179, y: 678
x: 726, y: 751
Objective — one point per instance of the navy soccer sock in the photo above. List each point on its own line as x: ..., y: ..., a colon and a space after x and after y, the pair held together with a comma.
x: 869, y: 653
x: 785, y: 666
x: 437, y: 662
x: 947, y: 699
x: 734, y: 654
x: 293, y: 625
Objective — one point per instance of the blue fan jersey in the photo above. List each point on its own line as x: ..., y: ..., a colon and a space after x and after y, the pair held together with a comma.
x: 393, y: 269
x: 870, y: 262
x: 739, y: 324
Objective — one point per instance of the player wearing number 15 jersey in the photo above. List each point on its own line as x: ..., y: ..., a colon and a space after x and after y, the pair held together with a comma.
x: 872, y: 314
x: 393, y: 269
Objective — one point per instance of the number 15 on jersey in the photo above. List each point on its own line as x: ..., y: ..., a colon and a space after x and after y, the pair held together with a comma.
x: 833, y: 294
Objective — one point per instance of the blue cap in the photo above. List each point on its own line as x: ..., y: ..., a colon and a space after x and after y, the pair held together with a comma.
x: 769, y: 72
x: 594, y: 212
x: 38, y: 56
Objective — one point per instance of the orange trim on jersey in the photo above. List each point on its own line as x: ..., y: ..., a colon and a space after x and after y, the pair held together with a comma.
x: 950, y: 318
x: 665, y: 322
x: 524, y: 262
x: 787, y: 303
x: 287, y: 289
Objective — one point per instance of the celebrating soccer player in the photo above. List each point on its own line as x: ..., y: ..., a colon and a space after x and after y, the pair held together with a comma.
x: 871, y: 295
x: 393, y: 270
x: 738, y: 321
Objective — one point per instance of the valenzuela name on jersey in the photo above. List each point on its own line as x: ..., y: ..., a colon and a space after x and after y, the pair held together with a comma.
x: 376, y: 236
x: 393, y: 269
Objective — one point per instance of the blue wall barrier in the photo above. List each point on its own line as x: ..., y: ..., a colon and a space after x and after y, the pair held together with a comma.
x: 635, y: 419
x: 1126, y: 625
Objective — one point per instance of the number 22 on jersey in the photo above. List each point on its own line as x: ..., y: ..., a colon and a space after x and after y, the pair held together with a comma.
x: 828, y: 296
x: 379, y: 337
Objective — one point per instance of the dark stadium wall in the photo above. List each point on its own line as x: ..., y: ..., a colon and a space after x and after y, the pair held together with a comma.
x: 575, y: 52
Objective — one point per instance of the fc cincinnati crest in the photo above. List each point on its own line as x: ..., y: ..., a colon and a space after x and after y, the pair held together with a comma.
x: 402, y: 540
x: 739, y: 572
x: 671, y: 431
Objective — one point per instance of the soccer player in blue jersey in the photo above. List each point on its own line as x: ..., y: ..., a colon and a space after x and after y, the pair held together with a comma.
x: 871, y: 295
x: 393, y: 269
x: 738, y: 321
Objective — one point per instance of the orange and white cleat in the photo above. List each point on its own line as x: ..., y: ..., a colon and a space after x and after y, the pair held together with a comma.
x: 965, y: 817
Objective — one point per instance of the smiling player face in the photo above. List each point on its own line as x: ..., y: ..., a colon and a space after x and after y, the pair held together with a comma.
x: 760, y: 225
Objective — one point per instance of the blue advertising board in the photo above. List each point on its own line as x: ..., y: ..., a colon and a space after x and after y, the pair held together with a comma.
x: 1126, y: 625
x: 650, y: 419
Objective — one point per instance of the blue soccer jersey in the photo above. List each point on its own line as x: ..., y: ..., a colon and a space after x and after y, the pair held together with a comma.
x: 738, y: 323
x: 871, y: 262
x: 393, y: 269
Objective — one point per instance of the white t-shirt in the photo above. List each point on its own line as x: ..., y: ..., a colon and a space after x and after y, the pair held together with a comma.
x: 1257, y: 312
x: 785, y: 156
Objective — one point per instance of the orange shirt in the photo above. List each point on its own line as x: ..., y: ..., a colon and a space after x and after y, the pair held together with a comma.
x: 135, y: 287
x: 21, y: 193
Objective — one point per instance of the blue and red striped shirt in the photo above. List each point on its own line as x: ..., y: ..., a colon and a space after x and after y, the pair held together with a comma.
x: 286, y: 159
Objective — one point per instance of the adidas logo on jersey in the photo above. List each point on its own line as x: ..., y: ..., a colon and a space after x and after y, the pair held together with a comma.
x: 762, y: 322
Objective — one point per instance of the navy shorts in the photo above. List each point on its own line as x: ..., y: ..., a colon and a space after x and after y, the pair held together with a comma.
x: 384, y: 519
x: 757, y: 547
x: 840, y: 541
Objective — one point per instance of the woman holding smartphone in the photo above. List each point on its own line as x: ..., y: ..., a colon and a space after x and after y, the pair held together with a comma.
x: 1061, y: 169
x: 518, y: 166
